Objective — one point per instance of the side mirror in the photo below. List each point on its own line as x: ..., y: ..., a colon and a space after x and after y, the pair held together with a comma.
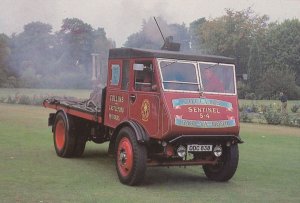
x: 138, y: 67
x: 154, y: 88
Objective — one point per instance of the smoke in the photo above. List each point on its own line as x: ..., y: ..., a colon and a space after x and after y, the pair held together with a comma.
x: 122, y: 18
x: 42, y: 59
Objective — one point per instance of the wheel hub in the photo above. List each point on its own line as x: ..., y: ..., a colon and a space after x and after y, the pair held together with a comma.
x: 123, y: 156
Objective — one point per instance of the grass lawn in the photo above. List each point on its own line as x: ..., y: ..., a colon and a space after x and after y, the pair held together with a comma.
x: 269, y: 168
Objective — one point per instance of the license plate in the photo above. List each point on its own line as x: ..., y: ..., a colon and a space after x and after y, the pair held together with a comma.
x: 199, y: 148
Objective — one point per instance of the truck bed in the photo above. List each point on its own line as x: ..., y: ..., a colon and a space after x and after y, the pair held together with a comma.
x: 86, y: 109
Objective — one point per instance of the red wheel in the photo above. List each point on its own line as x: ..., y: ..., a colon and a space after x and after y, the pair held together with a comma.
x: 125, y: 156
x: 130, y: 157
x: 64, y: 140
x: 60, y: 134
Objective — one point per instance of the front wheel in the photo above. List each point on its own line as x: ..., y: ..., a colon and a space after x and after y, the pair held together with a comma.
x: 226, y: 166
x: 130, y: 158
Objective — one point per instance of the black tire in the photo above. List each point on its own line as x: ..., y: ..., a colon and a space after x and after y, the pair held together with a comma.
x: 80, y: 145
x: 130, y: 157
x: 225, y: 169
x: 64, y: 140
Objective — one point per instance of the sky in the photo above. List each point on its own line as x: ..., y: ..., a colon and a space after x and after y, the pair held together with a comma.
x: 120, y: 18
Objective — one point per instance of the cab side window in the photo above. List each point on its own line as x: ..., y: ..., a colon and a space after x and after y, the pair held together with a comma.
x: 115, y: 74
x: 125, y: 75
x: 144, y: 77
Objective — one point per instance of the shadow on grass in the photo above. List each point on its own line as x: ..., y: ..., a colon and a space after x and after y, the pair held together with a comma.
x: 172, y: 176
x: 164, y: 176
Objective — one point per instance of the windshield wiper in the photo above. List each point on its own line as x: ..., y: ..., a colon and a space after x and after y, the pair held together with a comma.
x: 212, y: 65
x: 169, y: 64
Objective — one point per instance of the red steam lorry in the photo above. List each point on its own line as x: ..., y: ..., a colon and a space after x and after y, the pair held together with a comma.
x: 159, y: 108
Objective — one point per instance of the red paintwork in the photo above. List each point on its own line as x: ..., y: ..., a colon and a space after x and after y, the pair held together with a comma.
x: 160, y: 121
x: 183, y: 111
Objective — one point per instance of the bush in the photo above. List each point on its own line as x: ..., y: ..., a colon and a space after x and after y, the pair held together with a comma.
x: 24, y: 99
x: 10, y: 100
x: 245, y: 117
x: 292, y: 121
x: 295, y: 122
x: 253, y: 108
x: 272, y: 116
x: 250, y: 96
x: 242, y: 89
x: 295, y: 108
x: 262, y: 108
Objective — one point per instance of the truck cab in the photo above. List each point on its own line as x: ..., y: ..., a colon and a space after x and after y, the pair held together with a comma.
x: 164, y: 108
x: 185, y: 105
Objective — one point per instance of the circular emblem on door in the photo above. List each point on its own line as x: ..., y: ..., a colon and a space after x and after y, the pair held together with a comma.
x: 145, y: 109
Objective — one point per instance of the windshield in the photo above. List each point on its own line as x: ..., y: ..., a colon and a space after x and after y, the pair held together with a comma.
x: 192, y: 76
x: 217, y: 78
x: 179, y: 76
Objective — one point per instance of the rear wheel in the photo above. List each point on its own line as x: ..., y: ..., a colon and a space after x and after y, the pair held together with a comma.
x: 64, y: 141
x: 80, y: 145
x: 130, y: 158
x: 226, y: 167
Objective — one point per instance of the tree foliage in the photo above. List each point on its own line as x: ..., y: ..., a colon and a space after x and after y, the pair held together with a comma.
x: 268, y: 52
x: 282, y: 46
x: 231, y: 35
x: 275, y: 80
x: 41, y: 58
x: 4, y: 58
x: 194, y: 31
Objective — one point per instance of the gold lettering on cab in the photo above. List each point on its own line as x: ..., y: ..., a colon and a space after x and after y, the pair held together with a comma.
x: 118, y: 109
x: 115, y: 108
x: 116, y: 98
x: 113, y: 117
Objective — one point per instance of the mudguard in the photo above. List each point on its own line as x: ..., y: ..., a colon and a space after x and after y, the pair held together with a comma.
x: 141, y: 135
x: 52, y: 117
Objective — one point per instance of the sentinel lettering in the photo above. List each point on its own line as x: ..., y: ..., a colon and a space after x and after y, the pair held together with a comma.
x: 203, y: 110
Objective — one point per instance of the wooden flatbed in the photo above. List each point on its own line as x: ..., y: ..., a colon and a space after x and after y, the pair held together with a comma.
x: 85, y: 109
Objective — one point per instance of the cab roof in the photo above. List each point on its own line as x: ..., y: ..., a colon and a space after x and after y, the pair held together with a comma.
x: 128, y: 53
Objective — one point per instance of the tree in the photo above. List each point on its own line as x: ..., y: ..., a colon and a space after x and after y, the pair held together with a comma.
x: 33, y: 46
x: 282, y: 46
x: 76, y: 42
x: 254, y: 66
x: 232, y: 35
x: 4, y: 56
x: 277, y: 79
x: 194, y: 30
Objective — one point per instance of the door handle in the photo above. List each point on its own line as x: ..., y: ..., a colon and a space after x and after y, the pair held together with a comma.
x: 132, y: 98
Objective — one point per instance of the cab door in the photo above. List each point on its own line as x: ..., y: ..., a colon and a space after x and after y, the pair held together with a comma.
x: 144, y: 99
x: 116, y: 105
